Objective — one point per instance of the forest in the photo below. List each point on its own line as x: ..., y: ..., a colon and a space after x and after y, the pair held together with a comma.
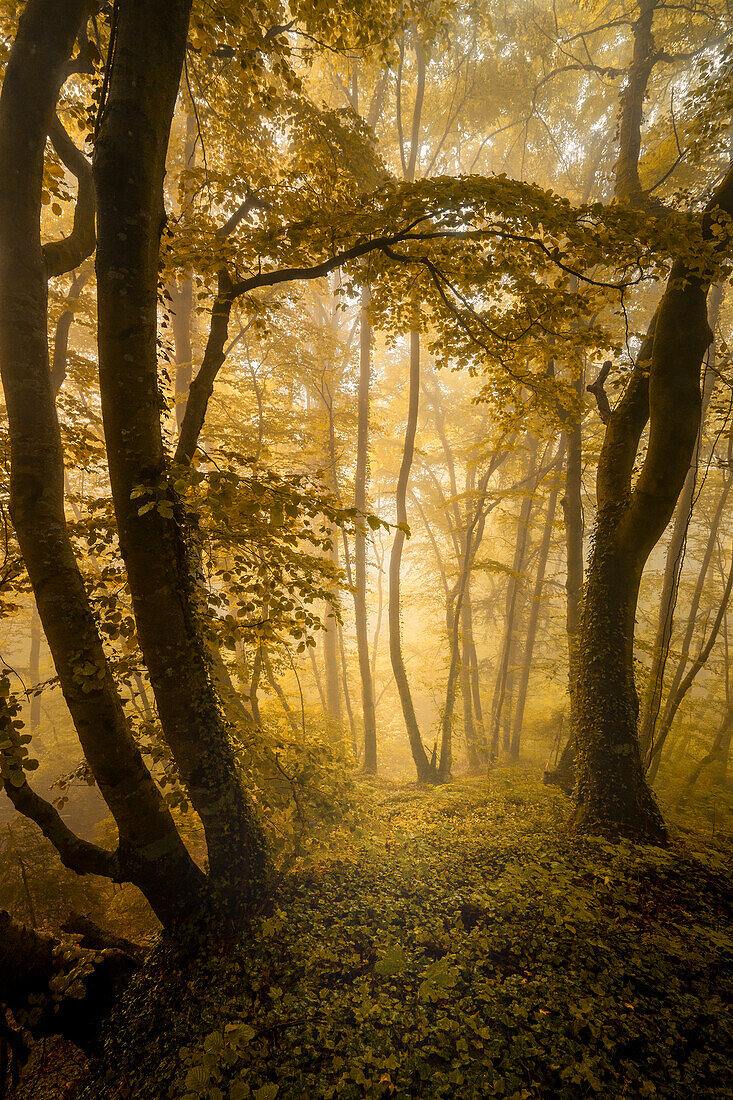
x: 366, y: 549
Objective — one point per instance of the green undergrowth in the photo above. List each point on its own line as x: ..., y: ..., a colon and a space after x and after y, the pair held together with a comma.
x: 465, y: 948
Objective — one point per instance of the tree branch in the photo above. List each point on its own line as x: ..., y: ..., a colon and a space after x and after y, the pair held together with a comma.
x: 76, y: 854
x: 68, y: 253
x: 599, y: 392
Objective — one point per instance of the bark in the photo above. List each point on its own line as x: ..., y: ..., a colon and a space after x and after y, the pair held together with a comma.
x: 627, y: 183
x: 67, y: 254
x: 422, y: 764
x: 534, y: 615
x: 150, y: 853
x: 360, y: 542
x: 674, y: 558
x: 129, y: 166
x: 612, y: 792
x: 182, y: 302
x: 202, y: 387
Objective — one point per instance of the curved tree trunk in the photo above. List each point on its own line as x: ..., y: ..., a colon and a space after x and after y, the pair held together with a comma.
x: 151, y: 853
x: 611, y: 789
x: 422, y: 764
x: 674, y: 558
x: 129, y: 166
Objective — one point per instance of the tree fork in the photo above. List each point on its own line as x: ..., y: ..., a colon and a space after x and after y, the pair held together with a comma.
x: 664, y: 390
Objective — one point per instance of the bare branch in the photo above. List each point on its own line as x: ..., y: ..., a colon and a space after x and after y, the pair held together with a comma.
x: 76, y: 854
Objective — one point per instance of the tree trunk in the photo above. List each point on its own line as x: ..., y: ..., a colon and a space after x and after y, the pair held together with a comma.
x: 422, y: 764
x: 129, y: 165
x: 534, y: 615
x: 272, y: 681
x: 500, y: 686
x: 182, y: 301
x: 472, y: 718
x: 572, y: 505
x: 151, y: 853
x: 612, y: 793
x: 330, y: 655
x: 627, y: 183
x: 674, y: 558
x: 360, y: 542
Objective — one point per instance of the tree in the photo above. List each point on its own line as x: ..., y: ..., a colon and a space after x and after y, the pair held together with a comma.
x: 150, y: 852
x: 664, y: 390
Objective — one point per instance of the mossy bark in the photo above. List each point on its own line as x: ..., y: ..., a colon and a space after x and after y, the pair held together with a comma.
x: 663, y: 392
x: 611, y: 790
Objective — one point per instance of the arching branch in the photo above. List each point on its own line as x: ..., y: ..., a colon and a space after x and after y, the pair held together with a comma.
x: 68, y: 253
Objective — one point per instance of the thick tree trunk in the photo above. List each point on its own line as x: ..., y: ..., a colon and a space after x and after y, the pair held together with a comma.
x: 674, y: 557
x: 612, y: 792
x: 611, y: 789
x: 360, y: 541
x: 422, y: 764
x: 129, y: 166
x: 150, y: 853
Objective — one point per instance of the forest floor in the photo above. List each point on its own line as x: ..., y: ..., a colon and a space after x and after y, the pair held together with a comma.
x: 464, y: 946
